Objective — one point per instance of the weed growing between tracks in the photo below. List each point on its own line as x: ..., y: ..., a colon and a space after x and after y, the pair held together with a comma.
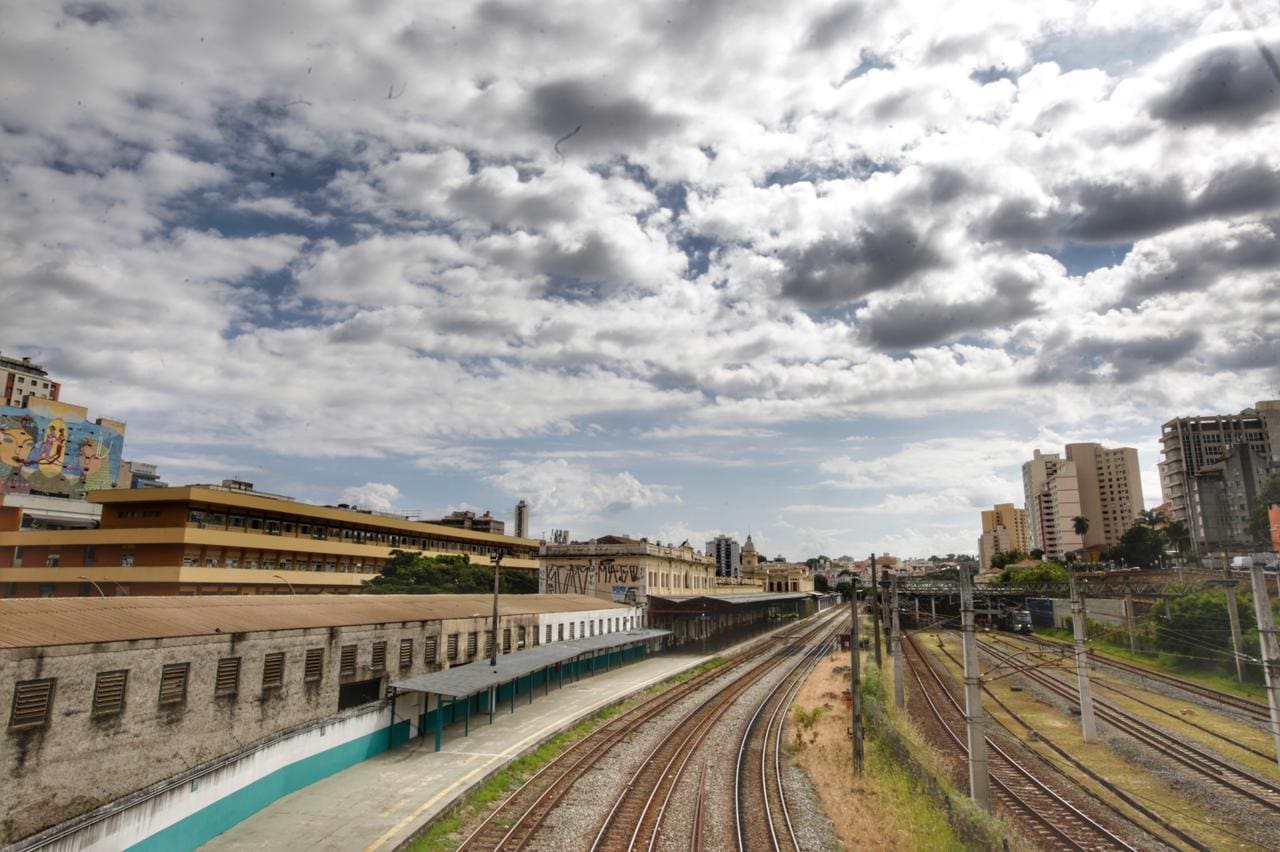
x: 442, y: 835
x: 897, y: 803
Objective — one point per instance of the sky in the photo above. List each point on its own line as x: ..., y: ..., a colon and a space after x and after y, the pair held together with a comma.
x: 824, y: 273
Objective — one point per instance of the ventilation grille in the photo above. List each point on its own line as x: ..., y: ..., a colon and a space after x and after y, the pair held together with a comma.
x: 31, y: 702
x: 378, y: 661
x: 173, y: 683
x: 406, y: 653
x: 314, y: 668
x: 228, y: 680
x: 108, y: 693
x: 273, y: 670
x: 347, y: 666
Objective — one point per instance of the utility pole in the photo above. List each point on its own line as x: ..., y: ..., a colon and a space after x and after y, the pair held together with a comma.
x: 979, y: 779
x: 1233, y: 616
x: 895, y: 643
x: 1270, y: 650
x: 1087, y: 726
x: 855, y: 666
x: 493, y: 652
x: 875, y: 609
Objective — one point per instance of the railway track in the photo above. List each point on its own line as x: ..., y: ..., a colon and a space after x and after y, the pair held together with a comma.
x: 635, y: 821
x: 1055, y: 822
x: 1209, y: 766
x: 1254, y: 709
x: 761, y: 815
x: 518, y: 818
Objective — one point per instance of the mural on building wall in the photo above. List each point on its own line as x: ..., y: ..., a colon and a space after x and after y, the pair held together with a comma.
x: 53, y: 449
x: 609, y: 580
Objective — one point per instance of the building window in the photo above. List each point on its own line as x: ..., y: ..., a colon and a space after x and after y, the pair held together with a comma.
x: 506, y: 640
x: 520, y: 636
x: 548, y: 634
x: 378, y: 660
x: 90, y: 555
x: 17, y: 557
x: 217, y: 519
x: 347, y: 663
x: 32, y: 703
x: 560, y: 633
x: 273, y: 670
x: 237, y: 522
x: 255, y: 523
x: 471, y: 643
x: 52, y: 560
x: 108, y: 693
x: 570, y: 629
x: 451, y: 647
x: 314, y: 667
x: 406, y: 654
x: 173, y: 683
x: 227, y: 681
x: 488, y: 643
x: 432, y: 650
x: 195, y: 516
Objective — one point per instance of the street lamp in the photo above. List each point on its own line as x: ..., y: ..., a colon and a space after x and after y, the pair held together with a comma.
x: 292, y: 590
x: 95, y: 585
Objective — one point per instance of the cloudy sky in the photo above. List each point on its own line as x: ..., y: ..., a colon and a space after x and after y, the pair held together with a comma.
x: 824, y: 272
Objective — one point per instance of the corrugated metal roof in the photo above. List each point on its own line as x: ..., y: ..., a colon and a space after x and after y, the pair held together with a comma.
x: 478, y: 676
x: 35, y: 622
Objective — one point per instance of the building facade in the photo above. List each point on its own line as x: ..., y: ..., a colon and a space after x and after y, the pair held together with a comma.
x: 1035, y: 474
x: 750, y: 556
x: 1110, y: 487
x: 52, y: 448
x: 727, y: 554
x: 465, y: 520
x: 21, y: 380
x: 228, y: 539
x: 160, y: 701
x: 624, y: 570
x: 1222, y: 495
x: 1004, y: 530
x: 1057, y: 505
x: 1188, y: 445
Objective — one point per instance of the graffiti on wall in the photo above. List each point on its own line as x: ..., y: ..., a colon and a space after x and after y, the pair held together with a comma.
x: 53, y: 449
x: 607, y: 580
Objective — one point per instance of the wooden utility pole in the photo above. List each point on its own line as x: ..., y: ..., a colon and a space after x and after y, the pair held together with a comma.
x: 1087, y: 727
x: 875, y: 610
x: 895, y: 643
x: 855, y: 666
x: 979, y: 779
x: 1270, y: 649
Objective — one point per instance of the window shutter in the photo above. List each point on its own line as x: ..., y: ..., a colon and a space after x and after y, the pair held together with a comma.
x: 378, y: 662
x: 406, y: 653
x: 347, y: 666
x: 173, y: 683
x: 32, y: 701
x: 433, y: 650
x: 273, y: 670
x: 108, y: 692
x: 228, y: 679
x: 453, y: 646
x: 314, y: 669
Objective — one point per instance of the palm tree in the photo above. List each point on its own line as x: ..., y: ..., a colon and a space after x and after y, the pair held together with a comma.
x: 1151, y: 518
x: 1179, y: 536
x: 1081, y: 525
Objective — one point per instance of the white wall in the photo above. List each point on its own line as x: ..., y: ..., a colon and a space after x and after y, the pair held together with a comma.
x: 628, y: 618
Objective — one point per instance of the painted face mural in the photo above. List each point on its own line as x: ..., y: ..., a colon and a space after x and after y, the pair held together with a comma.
x: 54, y: 448
x: 16, y: 441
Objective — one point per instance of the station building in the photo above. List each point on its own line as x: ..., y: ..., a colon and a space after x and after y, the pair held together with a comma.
x: 159, y: 722
x: 224, y: 539
x: 678, y: 588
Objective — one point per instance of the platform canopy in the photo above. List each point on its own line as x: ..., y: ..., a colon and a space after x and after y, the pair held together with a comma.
x: 478, y: 676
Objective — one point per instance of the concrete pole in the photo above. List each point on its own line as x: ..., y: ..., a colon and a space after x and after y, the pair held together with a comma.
x: 979, y: 778
x: 855, y: 665
x: 895, y: 643
x: 1078, y: 616
x: 1129, y: 620
x: 875, y: 610
x: 1270, y: 650
x: 1233, y: 616
x: 933, y: 611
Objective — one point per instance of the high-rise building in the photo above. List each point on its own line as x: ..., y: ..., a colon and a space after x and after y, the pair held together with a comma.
x: 20, y: 380
x: 1222, y: 496
x: 1004, y: 530
x: 522, y: 520
x: 1035, y: 474
x: 727, y: 554
x: 1110, y: 485
x: 1190, y: 444
x: 1057, y: 506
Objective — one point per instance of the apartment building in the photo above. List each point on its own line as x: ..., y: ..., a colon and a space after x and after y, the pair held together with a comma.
x: 1057, y: 505
x: 1004, y: 530
x: 1035, y: 474
x: 224, y: 539
x: 727, y: 554
x: 21, y: 380
x: 1101, y: 484
x: 1188, y: 445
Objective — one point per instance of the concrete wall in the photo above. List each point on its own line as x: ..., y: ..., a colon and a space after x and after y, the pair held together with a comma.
x: 1101, y: 610
x: 632, y: 617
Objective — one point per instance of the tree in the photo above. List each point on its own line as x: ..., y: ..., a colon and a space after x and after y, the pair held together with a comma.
x: 1140, y: 545
x: 820, y: 583
x: 1045, y: 572
x: 1198, y: 624
x: 1080, y: 524
x: 1037, y: 553
x: 1002, y: 559
x: 1151, y: 518
x: 1179, y: 536
x: 408, y: 573
x: 1268, y: 495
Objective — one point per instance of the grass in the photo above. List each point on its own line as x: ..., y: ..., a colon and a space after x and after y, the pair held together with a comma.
x: 1165, y: 663
x: 440, y: 835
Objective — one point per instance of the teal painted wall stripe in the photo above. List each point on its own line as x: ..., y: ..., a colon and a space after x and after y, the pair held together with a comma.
x: 191, y: 831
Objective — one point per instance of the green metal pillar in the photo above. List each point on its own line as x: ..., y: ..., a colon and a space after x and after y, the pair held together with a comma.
x: 466, y: 717
x: 514, y: 684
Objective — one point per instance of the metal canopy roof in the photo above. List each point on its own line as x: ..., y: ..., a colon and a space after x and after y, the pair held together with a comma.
x: 764, y: 597
x: 478, y: 676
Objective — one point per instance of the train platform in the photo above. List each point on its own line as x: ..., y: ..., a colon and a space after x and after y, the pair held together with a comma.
x: 381, y: 802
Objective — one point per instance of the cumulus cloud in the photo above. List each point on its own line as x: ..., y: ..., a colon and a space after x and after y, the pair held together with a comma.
x: 379, y: 496
x: 558, y: 489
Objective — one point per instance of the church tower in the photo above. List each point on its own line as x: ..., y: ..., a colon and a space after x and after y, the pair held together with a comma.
x: 750, y: 559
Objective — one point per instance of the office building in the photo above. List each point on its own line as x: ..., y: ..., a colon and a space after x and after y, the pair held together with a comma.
x: 727, y: 554
x: 224, y: 539
x: 471, y: 521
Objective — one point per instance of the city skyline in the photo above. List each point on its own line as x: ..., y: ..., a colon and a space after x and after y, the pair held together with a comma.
x: 832, y: 296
